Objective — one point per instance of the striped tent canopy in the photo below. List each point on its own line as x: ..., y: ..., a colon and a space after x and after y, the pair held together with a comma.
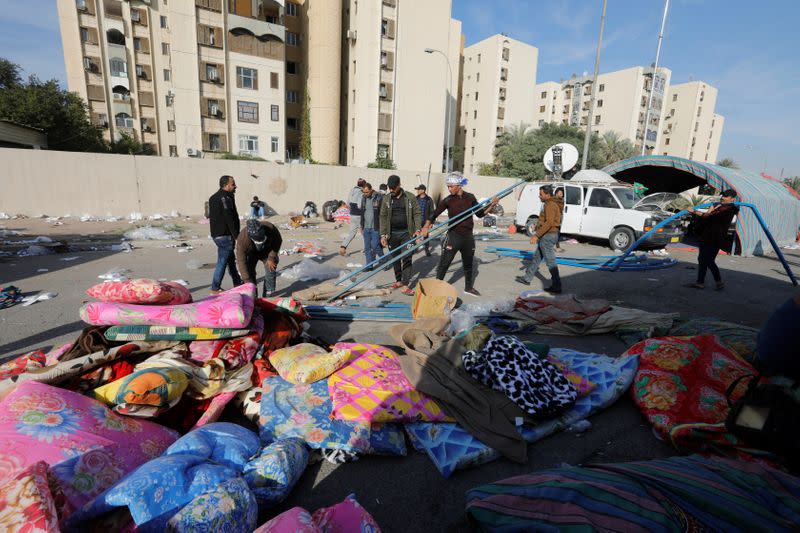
x: 778, y: 204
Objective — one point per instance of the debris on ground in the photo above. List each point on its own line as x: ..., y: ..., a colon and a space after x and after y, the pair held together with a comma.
x: 309, y: 270
x: 151, y: 233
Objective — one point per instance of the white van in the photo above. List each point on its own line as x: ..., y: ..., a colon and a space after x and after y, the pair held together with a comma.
x: 599, y: 210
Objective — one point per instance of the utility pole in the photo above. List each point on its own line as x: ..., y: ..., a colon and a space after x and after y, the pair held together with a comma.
x: 653, y: 84
x: 594, y: 89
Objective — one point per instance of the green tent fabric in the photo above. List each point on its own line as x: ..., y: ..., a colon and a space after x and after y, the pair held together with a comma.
x: 777, y: 203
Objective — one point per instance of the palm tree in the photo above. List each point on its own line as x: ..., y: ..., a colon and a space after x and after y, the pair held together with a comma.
x: 793, y: 182
x: 683, y: 202
x: 514, y: 135
x: 613, y: 147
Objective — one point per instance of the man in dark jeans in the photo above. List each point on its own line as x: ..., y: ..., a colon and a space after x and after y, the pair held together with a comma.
x: 426, y: 208
x: 399, y: 220
x: 459, y: 236
x: 713, y: 233
x: 370, y: 215
x: 545, y: 239
x: 224, y: 225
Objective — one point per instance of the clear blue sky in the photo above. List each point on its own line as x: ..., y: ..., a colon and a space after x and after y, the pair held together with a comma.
x: 747, y: 49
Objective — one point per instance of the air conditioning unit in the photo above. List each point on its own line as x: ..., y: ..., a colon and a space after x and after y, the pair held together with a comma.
x: 148, y: 129
x: 192, y: 152
x: 117, y: 96
x: 213, y: 79
x: 218, y: 113
x: 352, y: 35
x: 81, y: 4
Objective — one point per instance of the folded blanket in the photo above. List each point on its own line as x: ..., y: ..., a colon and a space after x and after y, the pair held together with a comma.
x: 230, y: 309
x: 141, y: 291
x: 170, y: 333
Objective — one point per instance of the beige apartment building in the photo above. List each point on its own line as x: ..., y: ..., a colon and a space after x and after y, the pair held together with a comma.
x: 498, y: 76
x: 199, y: 77
x: 397, y: 99
x: 621, y: 103
x: 691, y: 127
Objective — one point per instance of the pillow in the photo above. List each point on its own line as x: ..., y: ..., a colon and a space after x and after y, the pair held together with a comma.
x: 225, y: 443
x: 347, y: 515
x: 88, y: 447
x: 307, y: 363
x: 285, y: 305
x: 153, y: 387
x: 230, y: 507
x: 180, y: 293
x: 373, y: 388
x: 170, y: 333
x: 303, y: 411
x: 274, y: 472
x: 27, y: 503
x: 137, y: 291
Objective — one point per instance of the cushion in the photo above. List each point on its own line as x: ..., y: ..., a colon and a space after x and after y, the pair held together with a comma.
x: 140, y: 291
x: 285, y: 305
x: 230, y: 309
x: 23, y: 363
x: 230, y: 507
x: 27, y: 503
x: 88, y: 447
x: 170, y: 333
x: 222, y: 442
x: 154, y: 387
x: 273, y: 473
x: 347, y: 515
x: 307, y: 363
x: 303, y: 411
x: 373, y: 388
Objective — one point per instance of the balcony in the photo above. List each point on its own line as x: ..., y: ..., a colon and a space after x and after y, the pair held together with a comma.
x: 257, y: 27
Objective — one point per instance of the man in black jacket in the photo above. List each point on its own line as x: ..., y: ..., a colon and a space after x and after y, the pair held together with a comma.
x: 426, y: 208
x: 224, y: 225
x: 715, y: 224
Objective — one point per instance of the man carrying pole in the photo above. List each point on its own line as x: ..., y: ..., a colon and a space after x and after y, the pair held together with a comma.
x: 399, y: 219
x: 545, y: 239
x: 459, y: 236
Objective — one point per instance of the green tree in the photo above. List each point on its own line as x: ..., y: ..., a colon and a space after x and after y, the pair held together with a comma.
x: 728, y: 163
x: 60, y: 114
x: 793, y: 182
x: 457, y: 153
x: 683, y: 202
x: 519, y: 151
x: 239, y: 157
x: 613, y: 148
x: 305, y: 130
x: 127, y: 144
x: 382, y: 162
x: 488, y: 169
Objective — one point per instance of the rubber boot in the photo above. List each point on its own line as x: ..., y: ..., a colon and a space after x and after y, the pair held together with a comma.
x: 555, y: 287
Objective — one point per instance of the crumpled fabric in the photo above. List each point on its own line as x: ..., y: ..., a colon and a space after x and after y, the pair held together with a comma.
x: 533, y: 383
x: 274, y: 472
x: 231, y: 508
x: 345, y: 516
x: 24, y: 363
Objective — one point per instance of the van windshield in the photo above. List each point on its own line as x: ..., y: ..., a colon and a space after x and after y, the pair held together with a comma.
x: 625, y: 196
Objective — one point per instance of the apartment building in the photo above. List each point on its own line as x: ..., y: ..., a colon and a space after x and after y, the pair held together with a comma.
x: 499, y: 73
x: 199, y: 77
x: 691, y: 127
x: 397, y: 99
x: 621, y: 103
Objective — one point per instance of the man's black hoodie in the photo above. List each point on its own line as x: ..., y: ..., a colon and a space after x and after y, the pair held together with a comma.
x: 222, y: 214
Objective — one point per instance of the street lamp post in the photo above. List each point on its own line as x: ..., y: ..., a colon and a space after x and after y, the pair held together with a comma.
x: 448, y: 111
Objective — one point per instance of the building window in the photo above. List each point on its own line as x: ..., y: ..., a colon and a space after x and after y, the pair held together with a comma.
x: 479, y: 58
x: 353, y: 124
x: 291, y: 9
x: 291, y: 123
x: 541, y: 122
x: 84, y: 35
x: 478, y: 77
x: 274, y: 145
x: 475, y: 114
x: 383, y: 150
x: 472, y: 151
x: 118, y: 67
x: 81, y: 5
x: 273, y: 80
x: 248, y: 112
x: 169, y: 99
x: 137, y: 44
x: 544, y: 94
x: 473, y: 132
x: 165, y: 49
x: 212, y: 73
x: 601, y: 87
x: 387, y: 28
x: 291, y: 97
x: 274, y: 113
x: 666, y: 141
x: 597, y: 119
x: 291, y: 67
x: 541, y: 109
x: 246, y: 78
x: 476, y: 96
x: 674, y: 97
x: 292, y: 38
x: 163, y: 21
x: 167, y: 74
x: 173, y: 150
x: 248, y: 144
x: 600, y: 103
x: 506, y: 54
x: 170, y: 125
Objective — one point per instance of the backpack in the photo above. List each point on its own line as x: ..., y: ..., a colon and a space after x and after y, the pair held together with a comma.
x: 767, y: 416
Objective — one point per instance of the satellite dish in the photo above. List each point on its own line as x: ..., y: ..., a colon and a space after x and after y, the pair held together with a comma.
x: 560, y: 158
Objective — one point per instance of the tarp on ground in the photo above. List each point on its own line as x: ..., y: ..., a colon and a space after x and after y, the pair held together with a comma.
x: 778, y: 205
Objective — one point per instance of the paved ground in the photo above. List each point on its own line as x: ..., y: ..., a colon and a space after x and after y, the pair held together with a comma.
x: 404, y: 494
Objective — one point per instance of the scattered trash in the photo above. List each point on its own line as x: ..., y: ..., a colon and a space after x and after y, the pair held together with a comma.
x: 194, y: 264
x: 124, y: 247
x: 34, y: 250
x: 135, y: 216
x: 183, y: 247
x: 795, y: 246
x: 371, y: 301
x: 354, y: 265
x: 115, y: 274
x: 581, y: 426
x: 73, y: 258
x: 181, y: 282
x: 8, y: 232
x: 150, y: 233
x: 467, y: 316
x: 310, y: 210
x: 30, y: 300
x: 308, y: 269
x: 4, y: 216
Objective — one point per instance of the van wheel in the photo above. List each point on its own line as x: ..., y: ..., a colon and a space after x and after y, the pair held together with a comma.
x: 530, y: 226
x: 621, y: 239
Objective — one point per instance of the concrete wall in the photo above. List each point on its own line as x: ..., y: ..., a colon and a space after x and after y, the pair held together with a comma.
x: 58, y: 183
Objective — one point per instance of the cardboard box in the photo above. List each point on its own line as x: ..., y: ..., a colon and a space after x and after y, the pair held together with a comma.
x: 433, y: 298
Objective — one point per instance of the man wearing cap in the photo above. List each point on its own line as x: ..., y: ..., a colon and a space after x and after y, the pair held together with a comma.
x: 545, y: 238
x: 713, y: 234
x: 459, y: 236
x: 426, y: 208
x: 354, y: 202
x: 259, y: 241
x: 399, y: 219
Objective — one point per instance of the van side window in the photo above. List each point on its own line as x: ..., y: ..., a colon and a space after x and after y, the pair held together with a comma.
x: 573, y: 196
x: 602, y: 198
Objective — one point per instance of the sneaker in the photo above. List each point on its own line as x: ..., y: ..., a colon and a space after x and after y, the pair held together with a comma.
x: 342, y: 251
x: 472, y: 292
x: 521, y: 279
x: 214, y: 292
x: 408, y: 291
